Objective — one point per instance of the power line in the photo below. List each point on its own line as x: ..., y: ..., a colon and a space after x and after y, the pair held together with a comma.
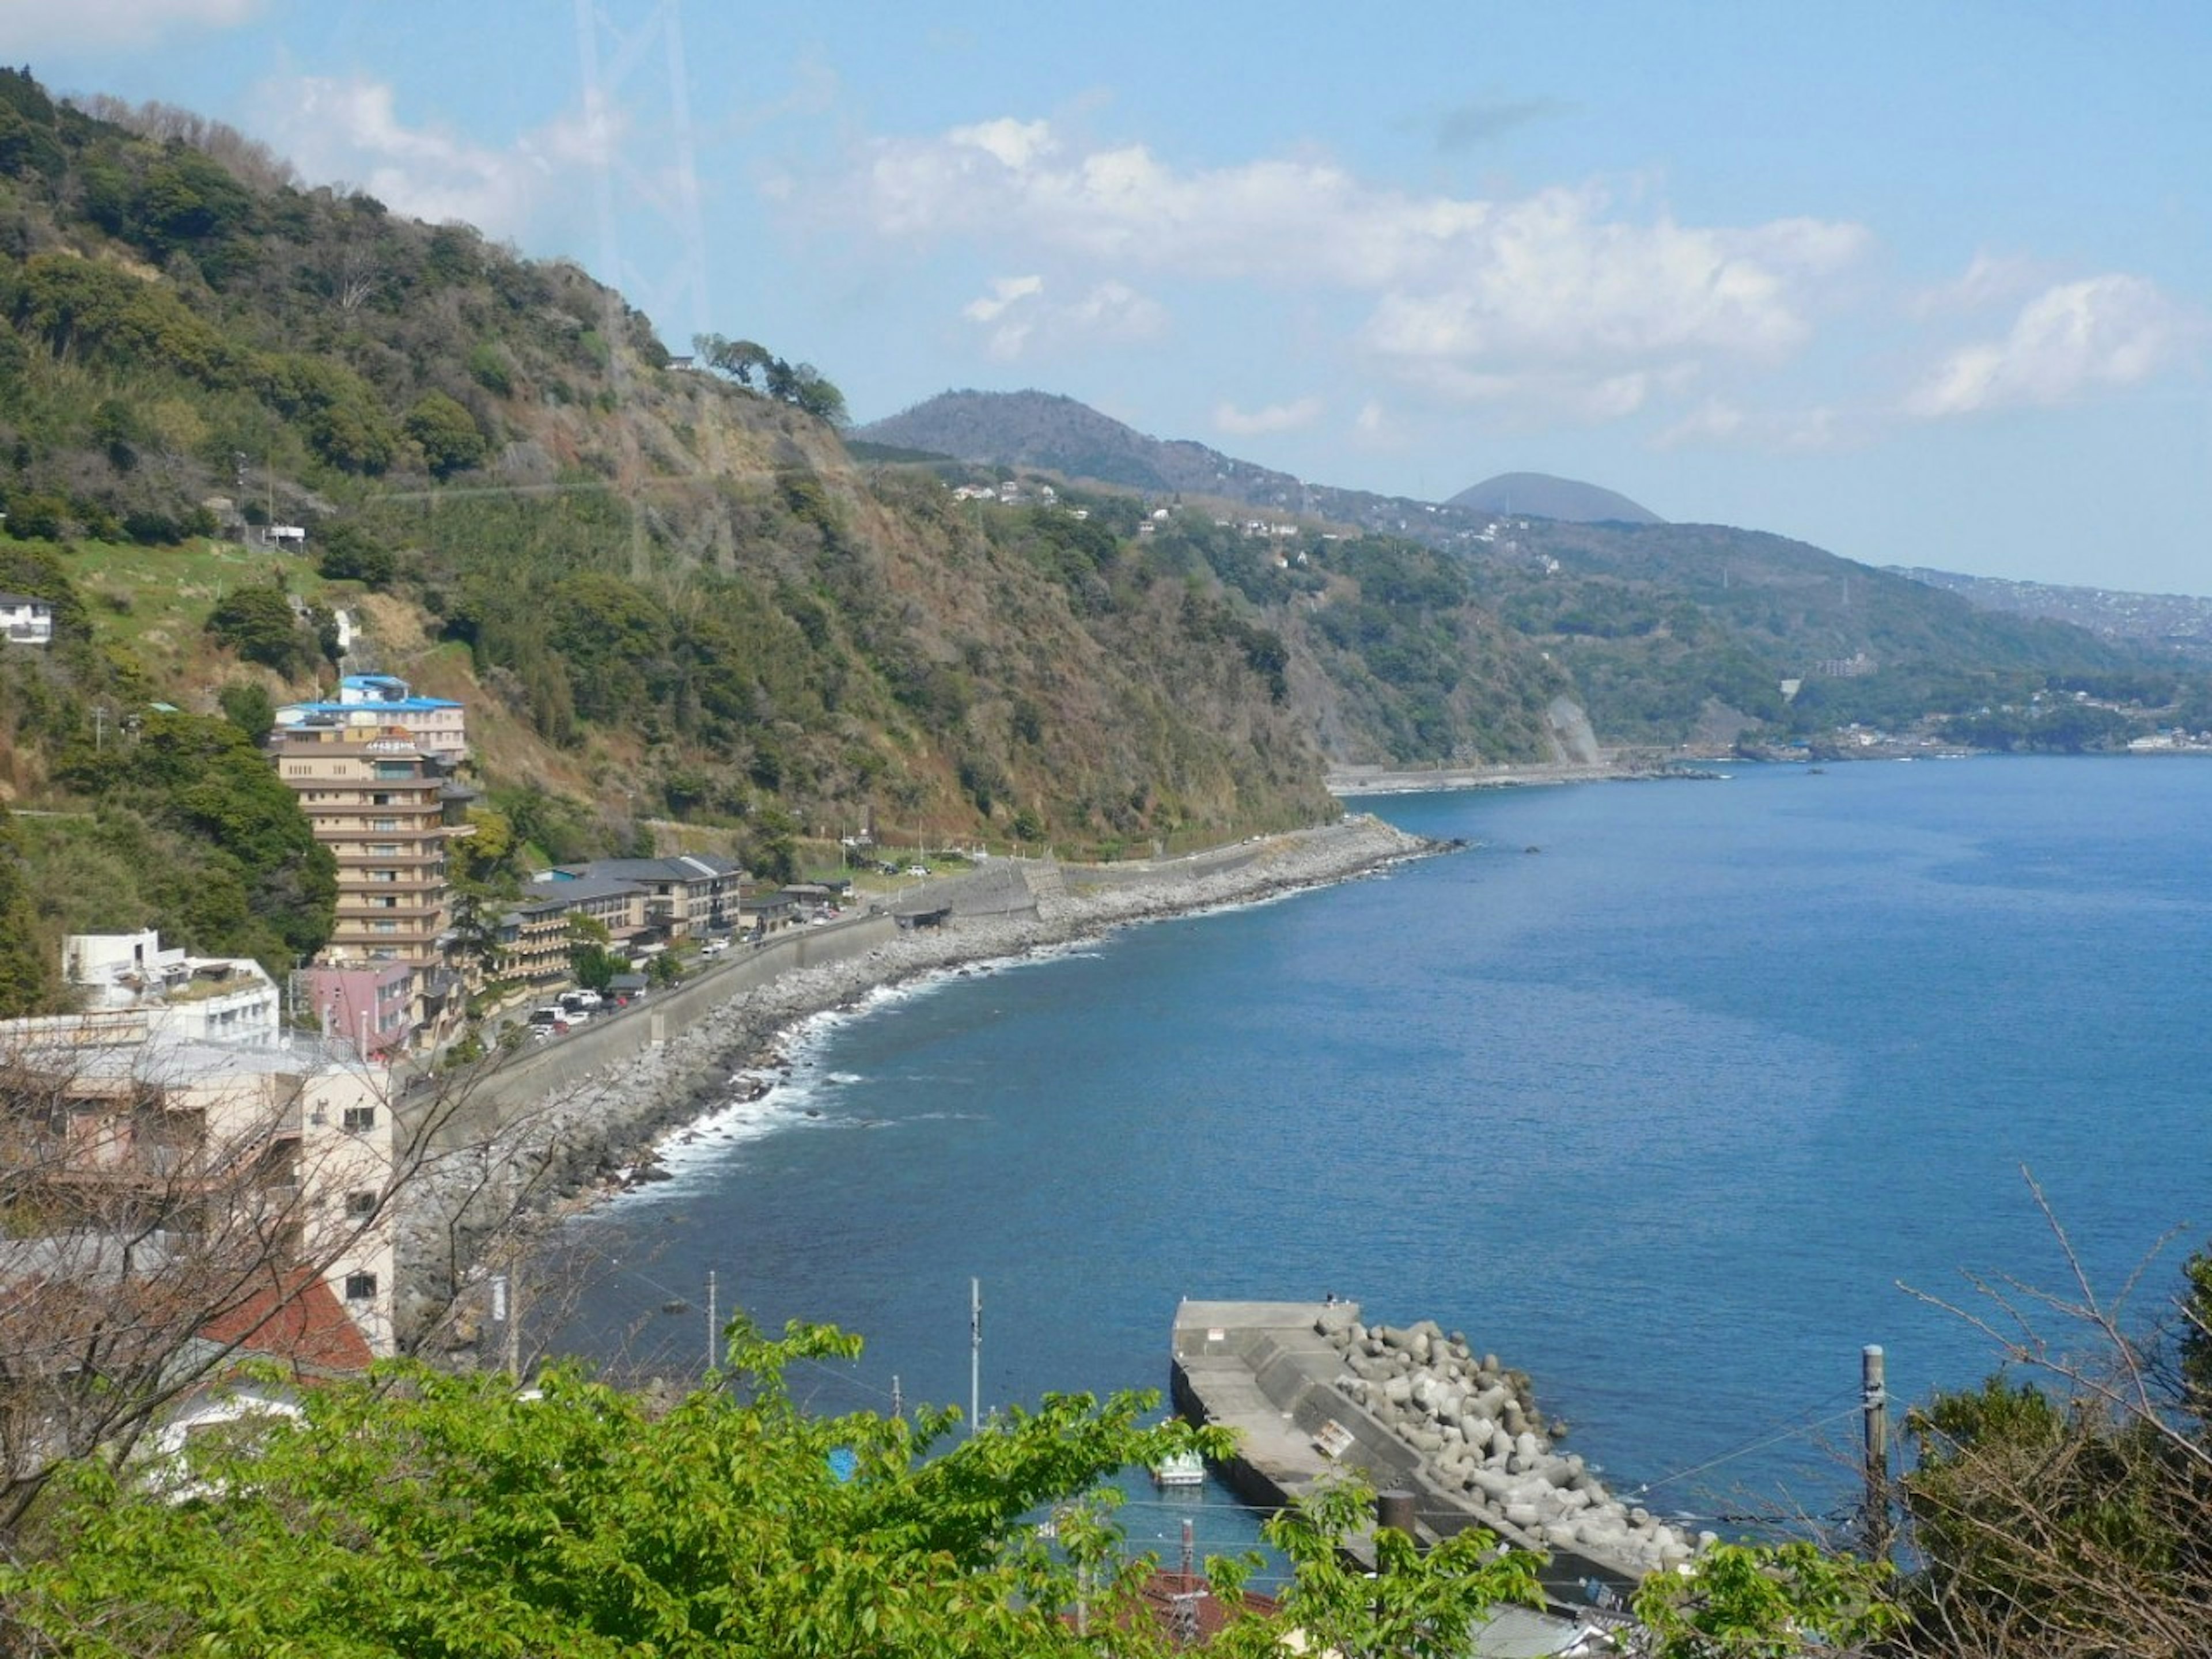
x: 1745, y: 1450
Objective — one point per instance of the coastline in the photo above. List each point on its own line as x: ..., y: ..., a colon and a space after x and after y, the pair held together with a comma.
x: 751, y: 1032
x: 1382, y: 781
x: 585, y: 1143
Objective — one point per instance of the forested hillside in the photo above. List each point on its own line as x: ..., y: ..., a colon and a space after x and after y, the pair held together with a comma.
x: 664, y: 593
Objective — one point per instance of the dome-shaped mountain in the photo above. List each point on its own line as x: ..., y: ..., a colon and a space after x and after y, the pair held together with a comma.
x: 1540, y: 495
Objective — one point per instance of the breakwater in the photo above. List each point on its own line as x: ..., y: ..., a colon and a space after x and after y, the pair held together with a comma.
x: 1314, y: 1392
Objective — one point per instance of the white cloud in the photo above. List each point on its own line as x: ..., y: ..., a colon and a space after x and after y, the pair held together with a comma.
x: 1991, y: 280
x: 1274, y: 417
x: 1715, y: 422
x: 1472, y: 299
x: 350, y: 130
x: 1005, y: 291
x: 1020, y: 315
x: 2067, y: 343
x: 42, y: 26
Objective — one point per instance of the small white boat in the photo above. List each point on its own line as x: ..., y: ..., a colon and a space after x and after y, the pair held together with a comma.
x: 1185, y: 1468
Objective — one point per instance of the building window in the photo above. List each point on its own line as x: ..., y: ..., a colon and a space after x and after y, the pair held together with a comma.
x: 360, y: 1287
x: 360, y: 1205
x: 358, y: 1119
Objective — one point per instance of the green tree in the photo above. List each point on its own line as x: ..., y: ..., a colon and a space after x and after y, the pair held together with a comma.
x: 447, y: 434
x: 26, y: 978
x: 2193, y: 1340
x: 1415, y: 1605
x: 591, y: 963
x: 256, y: 621
x: 437, y: 1516
x: 443, y: 1516
x: 346, y: 552
x: 1765, y: 1602
x: 251, y: 878
x: 247, y: 705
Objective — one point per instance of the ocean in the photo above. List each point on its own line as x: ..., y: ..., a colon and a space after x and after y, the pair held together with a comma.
x: 1672, y: 1094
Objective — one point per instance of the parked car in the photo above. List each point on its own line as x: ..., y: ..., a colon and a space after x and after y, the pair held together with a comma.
x: 714, y: 947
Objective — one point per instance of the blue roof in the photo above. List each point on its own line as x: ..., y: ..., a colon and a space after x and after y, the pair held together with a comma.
x: 402, y: 705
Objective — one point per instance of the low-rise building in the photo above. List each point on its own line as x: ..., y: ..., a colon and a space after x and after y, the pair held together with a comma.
x: 196, y: 1150
x: 228, y: 1000
x: 762, y: 910
x: 25, y: 620
x: 617, y: 905
x: 533, y: 940
x: 368, y: 1005
x: 690, y: 893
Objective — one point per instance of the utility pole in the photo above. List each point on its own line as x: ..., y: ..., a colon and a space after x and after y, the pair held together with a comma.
x: 1874, y: 1402
x: 975, y: 1355
x: 506, y: 1314
x: 714, y: 1327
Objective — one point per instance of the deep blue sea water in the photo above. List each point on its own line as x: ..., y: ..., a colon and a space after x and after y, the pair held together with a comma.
x: 1664, y: 1113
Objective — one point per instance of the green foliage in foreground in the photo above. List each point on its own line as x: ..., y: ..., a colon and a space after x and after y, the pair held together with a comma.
x: 1765, y: 1602
x: 436, y: 1516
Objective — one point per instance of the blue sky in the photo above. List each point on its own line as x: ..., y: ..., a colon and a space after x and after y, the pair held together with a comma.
x: 1921, y: 284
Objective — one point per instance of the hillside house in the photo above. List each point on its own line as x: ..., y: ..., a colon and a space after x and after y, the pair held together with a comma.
x: 25, y: 620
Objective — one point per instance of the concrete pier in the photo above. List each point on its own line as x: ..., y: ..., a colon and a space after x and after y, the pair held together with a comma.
x: 1315, y: 1393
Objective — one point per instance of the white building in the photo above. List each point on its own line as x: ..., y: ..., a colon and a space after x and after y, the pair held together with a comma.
x: 26, y: 621
x: 227, y: 999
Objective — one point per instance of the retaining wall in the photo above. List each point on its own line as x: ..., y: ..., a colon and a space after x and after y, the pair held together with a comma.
x: 477, y: 1104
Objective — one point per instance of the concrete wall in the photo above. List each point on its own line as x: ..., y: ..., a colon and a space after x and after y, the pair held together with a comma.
x: 1000, y: 888
x: 1197, y: 866
x: 499, y: 1091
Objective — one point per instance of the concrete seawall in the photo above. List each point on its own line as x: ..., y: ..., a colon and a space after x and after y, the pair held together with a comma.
x: 477, y: 1106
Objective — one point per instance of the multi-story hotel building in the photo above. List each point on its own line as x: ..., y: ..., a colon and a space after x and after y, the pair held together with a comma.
x: 368, y: 703
x: 379, y: 802
x: 386, y: 809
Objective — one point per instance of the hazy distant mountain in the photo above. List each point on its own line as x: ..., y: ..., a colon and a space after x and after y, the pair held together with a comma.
x: 1059, y: 434
x: 1540, y: 495
x: 1055, y: 434
x: 2177, y: 621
